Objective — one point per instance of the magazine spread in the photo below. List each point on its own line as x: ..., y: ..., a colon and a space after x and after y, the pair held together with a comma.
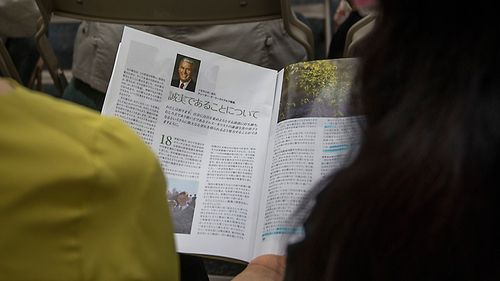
x: 240, y: 144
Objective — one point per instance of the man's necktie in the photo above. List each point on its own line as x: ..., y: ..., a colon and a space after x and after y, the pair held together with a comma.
x: 182, y: 85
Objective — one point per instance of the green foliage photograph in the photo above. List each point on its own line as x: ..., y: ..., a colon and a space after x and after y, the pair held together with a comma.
x: 317, y: 89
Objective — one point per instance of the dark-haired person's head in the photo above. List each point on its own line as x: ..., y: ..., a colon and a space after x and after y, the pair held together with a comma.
x: 421, y: 200
x: 182, y: 198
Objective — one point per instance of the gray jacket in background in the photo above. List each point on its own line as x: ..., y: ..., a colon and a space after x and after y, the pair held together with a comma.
x: 262, y: 43
x: 18, y: 18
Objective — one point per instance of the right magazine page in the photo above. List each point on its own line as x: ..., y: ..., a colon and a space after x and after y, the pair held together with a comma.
x: 316, y: 130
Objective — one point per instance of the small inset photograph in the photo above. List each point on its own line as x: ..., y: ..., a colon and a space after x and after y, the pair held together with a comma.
x: 185, y: 73
x: 182, y: 202
x: 319, y: 88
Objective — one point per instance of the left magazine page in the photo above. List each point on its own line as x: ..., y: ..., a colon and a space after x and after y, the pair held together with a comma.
x: 207, y: 118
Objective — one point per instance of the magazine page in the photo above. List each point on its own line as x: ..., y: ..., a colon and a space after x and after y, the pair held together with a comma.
x: 316, y: 131
x: 207, y: 117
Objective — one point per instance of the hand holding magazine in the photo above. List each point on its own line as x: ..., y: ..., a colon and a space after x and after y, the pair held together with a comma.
x: 240, y: 145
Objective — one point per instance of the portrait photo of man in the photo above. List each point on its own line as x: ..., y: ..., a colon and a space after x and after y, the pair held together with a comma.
x: 185, y: 72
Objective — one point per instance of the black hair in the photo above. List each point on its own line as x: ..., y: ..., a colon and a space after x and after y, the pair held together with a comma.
x: 421, y: 199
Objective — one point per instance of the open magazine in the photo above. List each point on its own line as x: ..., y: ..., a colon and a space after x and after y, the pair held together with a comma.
x: 240, y: 144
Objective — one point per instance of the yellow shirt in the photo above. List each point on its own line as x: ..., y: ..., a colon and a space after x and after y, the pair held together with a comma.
x: 81, y: 196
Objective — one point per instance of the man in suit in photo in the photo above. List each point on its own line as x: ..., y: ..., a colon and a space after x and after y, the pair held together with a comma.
x: 183, y: 214
x: 185, y: 72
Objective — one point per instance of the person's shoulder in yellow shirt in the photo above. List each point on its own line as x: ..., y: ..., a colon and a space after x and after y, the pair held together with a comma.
x: 82, y: 197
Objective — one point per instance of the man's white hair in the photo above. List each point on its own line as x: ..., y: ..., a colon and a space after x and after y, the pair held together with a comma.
x: 188, y: 60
